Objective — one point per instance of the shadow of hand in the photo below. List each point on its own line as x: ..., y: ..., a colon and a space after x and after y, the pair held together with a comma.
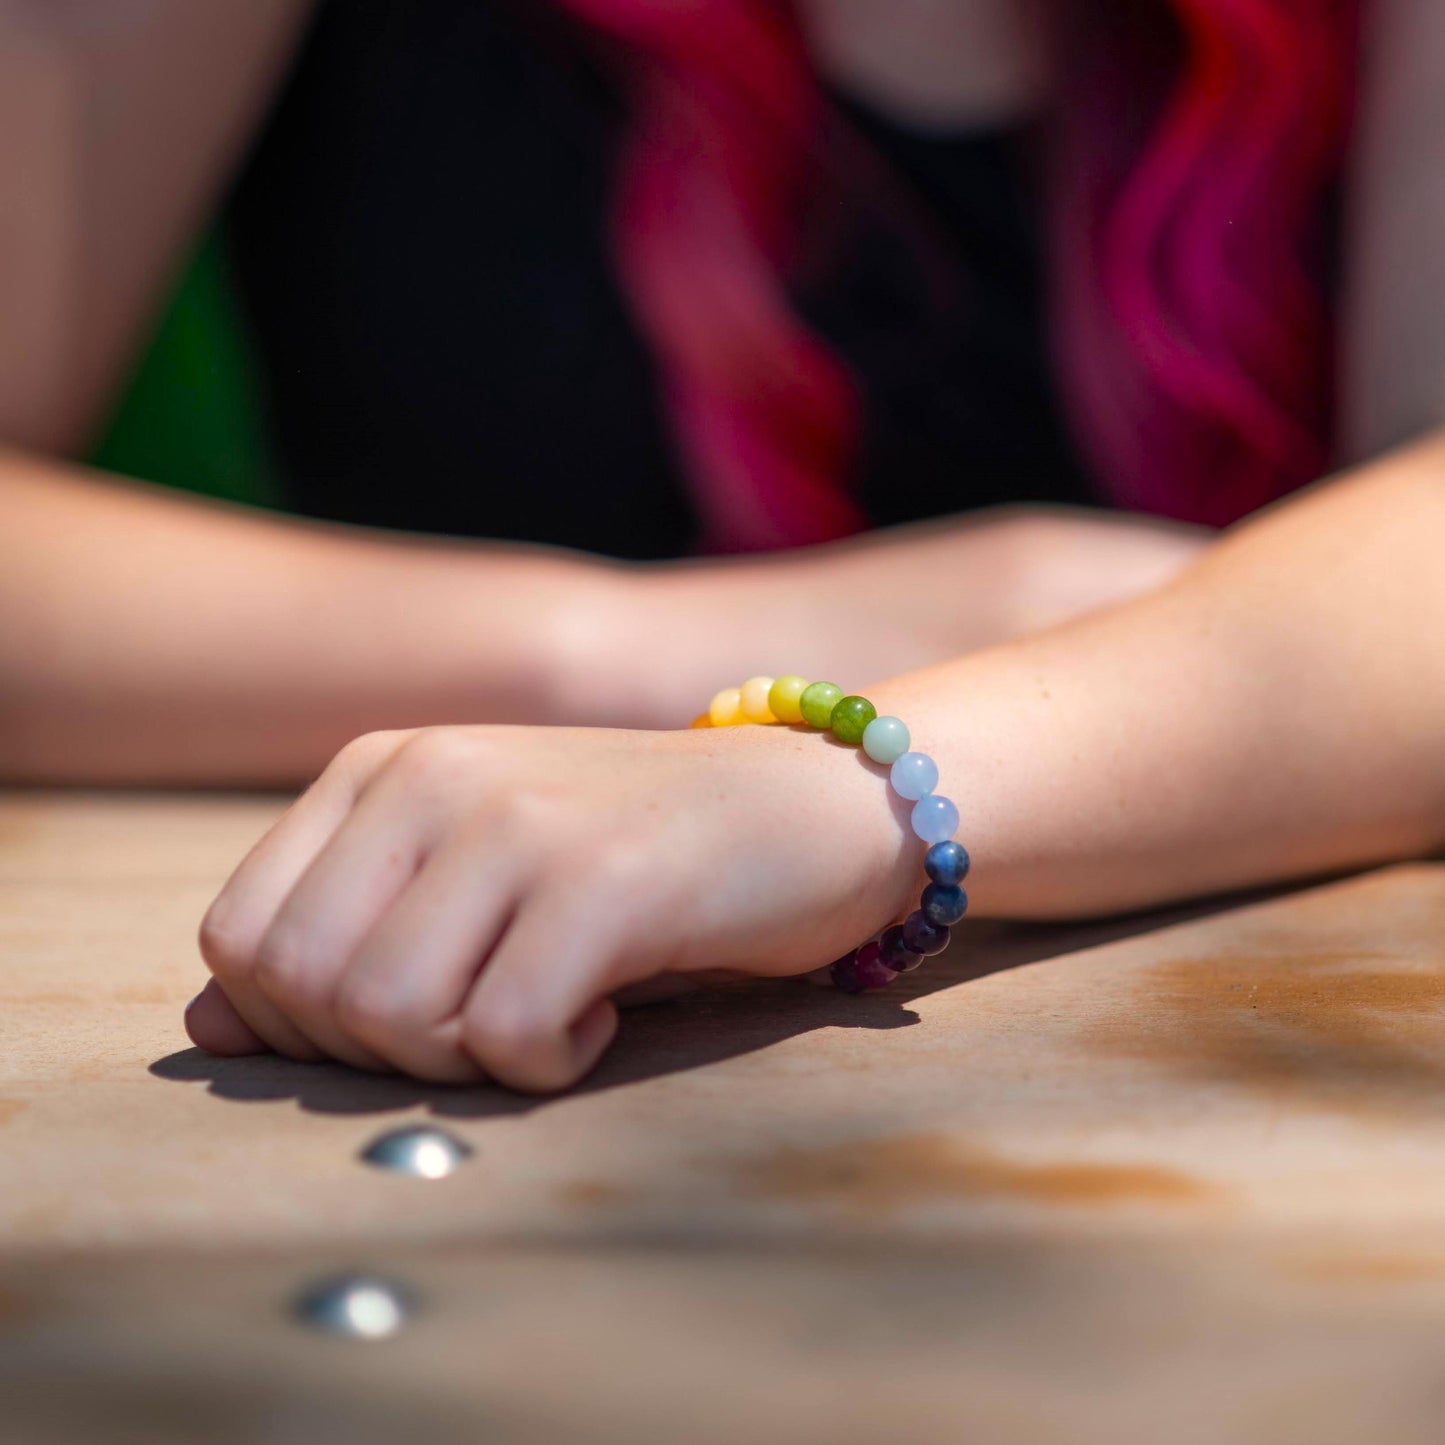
x: 686, y: 1032
x: 689, y: 1031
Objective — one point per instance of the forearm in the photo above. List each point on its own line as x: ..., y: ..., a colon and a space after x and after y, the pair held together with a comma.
x: 148, y: 637
x: 1278, y: 711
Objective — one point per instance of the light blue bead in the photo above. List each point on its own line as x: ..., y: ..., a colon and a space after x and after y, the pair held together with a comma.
x: 885, y: 739
x: 935, y: 818
x: 914, y: 776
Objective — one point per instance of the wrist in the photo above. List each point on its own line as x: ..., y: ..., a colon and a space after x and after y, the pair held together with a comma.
x: 599, y: 666
x: 823, y: 817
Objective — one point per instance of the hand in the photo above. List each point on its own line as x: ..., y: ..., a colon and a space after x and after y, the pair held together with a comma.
x: 460, y: 903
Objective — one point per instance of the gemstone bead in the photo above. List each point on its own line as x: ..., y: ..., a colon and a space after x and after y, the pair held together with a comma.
x: 869, y: 968
x: 885, y: 740
x: 817, y: 703
x: 726, y: 708
x: 922, y: 936
x: 754, y: 700
x: 914, y: 776
x: 946, y: 863
x: 850, y: 719
x: 935, y: 818
x: 845, y: 976
x: 783, y: 698
x: 942, y: 904
x: 895, y: 952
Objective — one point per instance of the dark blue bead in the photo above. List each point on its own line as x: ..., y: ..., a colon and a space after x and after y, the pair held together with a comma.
x: 924, y: 937
x: 944, y: 906
x: 844, y: 975
x: 897, y: 954
x: 946, y: 863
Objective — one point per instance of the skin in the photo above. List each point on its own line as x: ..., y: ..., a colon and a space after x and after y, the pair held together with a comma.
x: 465, y: 901
x: 147, y: 637
x: 935, y: 63
x: 460, y: 903
x: 219, y: 645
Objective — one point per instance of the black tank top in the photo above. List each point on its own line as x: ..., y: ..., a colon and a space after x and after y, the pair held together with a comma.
x: 420, y: 242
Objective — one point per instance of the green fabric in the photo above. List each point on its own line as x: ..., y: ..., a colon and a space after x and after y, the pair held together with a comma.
x: 190, y: 417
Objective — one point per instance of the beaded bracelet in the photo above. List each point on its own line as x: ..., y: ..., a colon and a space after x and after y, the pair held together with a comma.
x: 900, y: 948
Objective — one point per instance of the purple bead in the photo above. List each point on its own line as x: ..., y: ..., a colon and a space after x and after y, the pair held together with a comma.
x: 946, y: 863
x: 914, y: 776
x: 922, y: 936
x: 944, y: 906
x: 845, y: 975
x: 897, y: 954
x: 869, y: 968
x: 935, y: 818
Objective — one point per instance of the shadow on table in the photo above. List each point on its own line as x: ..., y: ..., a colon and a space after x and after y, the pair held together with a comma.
x: 689, y: 1032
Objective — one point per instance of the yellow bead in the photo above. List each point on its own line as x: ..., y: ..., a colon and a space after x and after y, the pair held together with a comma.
x: 754, y: 700
x: 725, y: 709
x: 702, y: 720
x: 783, y: 698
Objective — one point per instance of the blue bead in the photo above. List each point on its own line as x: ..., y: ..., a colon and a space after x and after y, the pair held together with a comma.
x: 924, y: 937
x: 885, y: 739
x: 914, y: 776
x: 946, y: 863
x: 942, y: 905
x: 896, y: 953
x: 935, y: 818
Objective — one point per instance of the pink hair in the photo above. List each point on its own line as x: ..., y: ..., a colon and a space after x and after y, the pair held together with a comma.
x: 1191, y: 332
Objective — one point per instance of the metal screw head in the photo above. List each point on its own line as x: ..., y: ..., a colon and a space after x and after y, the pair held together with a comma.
x: 357, y: 1307
x: 419, y: 1150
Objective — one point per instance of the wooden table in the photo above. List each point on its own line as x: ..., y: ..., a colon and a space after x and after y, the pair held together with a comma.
x: 1179, y: 1179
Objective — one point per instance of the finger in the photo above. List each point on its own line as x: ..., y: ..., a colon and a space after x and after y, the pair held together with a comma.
x: 213, y: 1024
x: 236, y: 922
x: 410, y: 976
x: 541, y: 1014
x: 363, y: 868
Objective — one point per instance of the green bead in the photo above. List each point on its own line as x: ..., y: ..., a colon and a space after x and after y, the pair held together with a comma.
x: 850, y: 716
x: 817, y: 703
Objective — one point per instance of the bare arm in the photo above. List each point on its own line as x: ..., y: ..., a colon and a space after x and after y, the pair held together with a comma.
x: 1281, y: 710
x: 149, y: 638
x: 119, y: 124
x: 1278, y: 711
x: 1393, y: 380
x: 460, y: 902
x: 155, y: 638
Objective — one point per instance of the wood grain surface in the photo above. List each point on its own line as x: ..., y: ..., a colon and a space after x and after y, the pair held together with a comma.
x: 1178, y: 1178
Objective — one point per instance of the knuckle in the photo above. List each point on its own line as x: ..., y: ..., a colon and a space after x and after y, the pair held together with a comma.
x: 285, y: 967
x: 526, y: 812
x: 433, y: 752
x: 225, y: 942
x: 368, y: 751
x: 436, y: 763
x: 518, y: 1047
x: 367, y: 1010
x: 617, y: 863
